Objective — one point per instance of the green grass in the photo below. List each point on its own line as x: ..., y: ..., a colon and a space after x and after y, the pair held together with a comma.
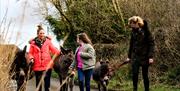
x: 122, y: 82
x: 127, y: 86
x: 161, y: 87
x: 54, y: 74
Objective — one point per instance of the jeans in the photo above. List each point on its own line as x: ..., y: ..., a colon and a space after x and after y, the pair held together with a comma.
x: 87, y: 75
x: 47, y: 77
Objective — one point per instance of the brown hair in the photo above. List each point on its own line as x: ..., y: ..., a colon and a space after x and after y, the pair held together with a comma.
x: 137, y: 20
x: 84, y: 37
x: 39, y: 28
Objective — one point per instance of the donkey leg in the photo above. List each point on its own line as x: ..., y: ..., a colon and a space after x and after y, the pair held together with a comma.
x: 71, y: 84
x: 66, y: 86
x: 99, y: 87
x: 60, y: 81
x: 104, y: 88
x: 20, y: 87
x: 20, y: 84
x: 104, y: 85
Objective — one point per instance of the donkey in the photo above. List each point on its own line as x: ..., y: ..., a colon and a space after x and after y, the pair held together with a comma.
x: 61, y: 67
x: 19, y: 69
x: 101, y: 75
x: 103, y: 72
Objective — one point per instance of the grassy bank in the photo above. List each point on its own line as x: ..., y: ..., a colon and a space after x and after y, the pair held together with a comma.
x: 125, y: 83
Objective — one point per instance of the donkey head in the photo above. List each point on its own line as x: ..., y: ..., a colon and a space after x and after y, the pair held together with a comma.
x: 62, y: 62
x: 67, y: 57
x: 20, y: 63
x: 18, y: 69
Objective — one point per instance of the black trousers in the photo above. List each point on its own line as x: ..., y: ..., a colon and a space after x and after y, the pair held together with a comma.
x: 135, y: 73
x: 47, y: 77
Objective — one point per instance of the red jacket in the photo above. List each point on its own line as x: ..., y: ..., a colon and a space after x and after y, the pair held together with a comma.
x: 42, y: 56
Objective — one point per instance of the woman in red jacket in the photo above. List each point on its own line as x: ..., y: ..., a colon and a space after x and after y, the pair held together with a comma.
x: 40, y: 52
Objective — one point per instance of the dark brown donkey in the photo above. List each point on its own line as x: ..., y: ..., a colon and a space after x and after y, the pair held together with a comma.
x: 61, y: 67
x: 19, y: 68
x: 103, y: 72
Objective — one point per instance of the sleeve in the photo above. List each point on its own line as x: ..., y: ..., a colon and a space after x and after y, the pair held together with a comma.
x: 73, y: 65
x: 130, y: 47
x: 89, y: 54
x: 53, y: 49
x: 151, y: 45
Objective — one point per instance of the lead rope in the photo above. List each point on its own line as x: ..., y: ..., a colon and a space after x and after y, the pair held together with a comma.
x: 26, y: 80
x: 64, y: 81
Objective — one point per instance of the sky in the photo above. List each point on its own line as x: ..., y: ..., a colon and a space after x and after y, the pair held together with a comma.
x: 24, y: 20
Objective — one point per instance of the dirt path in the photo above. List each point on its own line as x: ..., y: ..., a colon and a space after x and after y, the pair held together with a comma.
x: 54, y: 85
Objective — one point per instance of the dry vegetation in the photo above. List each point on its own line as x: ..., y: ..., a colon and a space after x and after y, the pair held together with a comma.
x: 6, y: 57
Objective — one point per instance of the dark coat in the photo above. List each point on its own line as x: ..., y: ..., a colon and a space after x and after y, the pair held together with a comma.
x: 141, y: 45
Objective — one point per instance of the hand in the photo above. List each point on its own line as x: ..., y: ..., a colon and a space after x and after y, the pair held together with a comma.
x: 51, y: 64
x: 73, y: 73
x: 31, y: 62
x: 127, y: 60
x: 151, y: 61
x: 70, y: 68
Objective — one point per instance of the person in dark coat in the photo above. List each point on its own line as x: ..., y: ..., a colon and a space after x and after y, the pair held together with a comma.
x: 141, y: 50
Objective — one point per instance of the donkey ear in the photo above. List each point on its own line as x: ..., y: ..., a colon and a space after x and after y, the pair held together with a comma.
x: 24, y: 49
x: 63, y: 50
x: 69, y: 50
